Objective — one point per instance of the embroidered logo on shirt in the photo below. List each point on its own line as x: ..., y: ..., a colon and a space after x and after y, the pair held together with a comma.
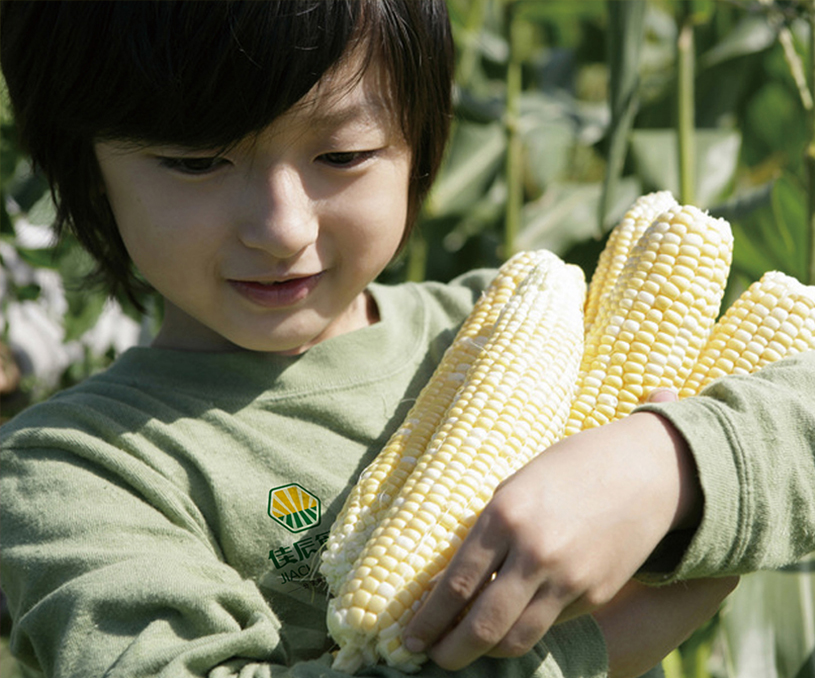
x: 294, y: 507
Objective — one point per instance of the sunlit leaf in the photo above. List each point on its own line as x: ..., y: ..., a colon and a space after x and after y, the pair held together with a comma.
x: 567, y: 213
x: 752, y: 34
x: 768, y: 625
x: 717, y: 153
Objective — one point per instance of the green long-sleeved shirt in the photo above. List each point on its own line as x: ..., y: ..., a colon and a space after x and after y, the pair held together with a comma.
x: 145, y: 524
x: 753, y: 440
x: 142, y: 532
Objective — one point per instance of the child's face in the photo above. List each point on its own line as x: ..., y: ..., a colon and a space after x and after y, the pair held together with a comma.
x: 270, y: 245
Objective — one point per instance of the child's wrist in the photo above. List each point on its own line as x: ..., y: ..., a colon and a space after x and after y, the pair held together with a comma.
x: 690, y: 498
x: 681, y: 474
x: 682, y: 484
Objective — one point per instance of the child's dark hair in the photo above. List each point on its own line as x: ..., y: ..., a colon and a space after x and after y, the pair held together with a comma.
x: 201, y: 74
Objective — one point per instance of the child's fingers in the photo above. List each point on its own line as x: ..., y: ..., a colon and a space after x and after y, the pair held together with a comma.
x: 454, y: 591
x: 508, y: 616
x: 485, y: 625
x: 534, y: 622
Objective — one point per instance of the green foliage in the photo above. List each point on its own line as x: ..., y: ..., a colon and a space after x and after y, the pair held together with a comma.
x: 597, y: 122
x: 768, y: 627
x: 30, y: 257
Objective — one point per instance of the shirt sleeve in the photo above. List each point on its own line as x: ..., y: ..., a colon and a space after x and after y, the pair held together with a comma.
x: 111, y: 576
x: 753, y: 440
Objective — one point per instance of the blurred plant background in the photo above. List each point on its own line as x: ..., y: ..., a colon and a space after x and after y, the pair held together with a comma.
x: 567, y: 111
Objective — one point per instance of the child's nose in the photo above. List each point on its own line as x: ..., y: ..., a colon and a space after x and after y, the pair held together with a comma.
x: 281, y: 219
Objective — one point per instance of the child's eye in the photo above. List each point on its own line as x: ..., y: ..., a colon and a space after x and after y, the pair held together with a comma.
x: 345, y: 158
x: 193, y: 165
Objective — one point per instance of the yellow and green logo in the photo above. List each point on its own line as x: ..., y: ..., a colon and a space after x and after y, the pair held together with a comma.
x: 294, y: 507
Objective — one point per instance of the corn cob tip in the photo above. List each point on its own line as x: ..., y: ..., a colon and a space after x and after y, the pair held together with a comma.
x: 772, y: 319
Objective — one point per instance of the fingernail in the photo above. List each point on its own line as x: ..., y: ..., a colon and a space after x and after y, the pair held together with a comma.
x: 660, y: 393
x: 413, y: 644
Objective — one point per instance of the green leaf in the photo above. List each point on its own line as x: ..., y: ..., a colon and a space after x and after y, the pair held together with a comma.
x: 485, y: 214
x: 566, y: 214
x: 84, y: 310
x: 776, y: 123
x: 549, y: 133
x: 6, y: 227
x: 772, y: 236
x: 474, y: 157
x: 717, y: 154
x: 768, y: 625
x: 39, y: 258
x: 749, y: 257
x: 26, y: 188
x: 559, y: 9
x: 42, y: 212
x: 28, y: 292
x: 789, y: 204
x: 752, y: 34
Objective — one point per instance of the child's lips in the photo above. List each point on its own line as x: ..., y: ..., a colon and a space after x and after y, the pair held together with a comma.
x: 277, y: 293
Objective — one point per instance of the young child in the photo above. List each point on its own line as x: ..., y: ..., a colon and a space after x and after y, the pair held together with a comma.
x: 258, y: 164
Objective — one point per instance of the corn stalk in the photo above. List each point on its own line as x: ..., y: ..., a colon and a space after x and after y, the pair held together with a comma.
x: 514, y: 154
x: 625, y: 37
x: 685, y: 102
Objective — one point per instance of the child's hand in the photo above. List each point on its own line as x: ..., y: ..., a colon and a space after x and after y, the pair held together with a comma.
x: 639, y: 633
x: 562, y: 536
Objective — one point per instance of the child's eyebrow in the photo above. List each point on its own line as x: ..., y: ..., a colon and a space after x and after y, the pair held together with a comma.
x: 369, y: 112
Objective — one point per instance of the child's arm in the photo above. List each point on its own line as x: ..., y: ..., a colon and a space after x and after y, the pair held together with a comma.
x: 643, y: 624
x: 573, y: 526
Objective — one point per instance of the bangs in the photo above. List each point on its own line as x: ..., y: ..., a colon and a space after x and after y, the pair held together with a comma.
x: 204, y: 74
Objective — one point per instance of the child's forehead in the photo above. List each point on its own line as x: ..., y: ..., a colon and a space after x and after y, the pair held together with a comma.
x: 354, y: 91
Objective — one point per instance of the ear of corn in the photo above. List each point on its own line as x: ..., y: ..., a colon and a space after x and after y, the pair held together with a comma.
x: 518, y: 377
x: 512, y: 405
x: 773, y: 318
x: 657, y: 318
x: 381, y: 480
